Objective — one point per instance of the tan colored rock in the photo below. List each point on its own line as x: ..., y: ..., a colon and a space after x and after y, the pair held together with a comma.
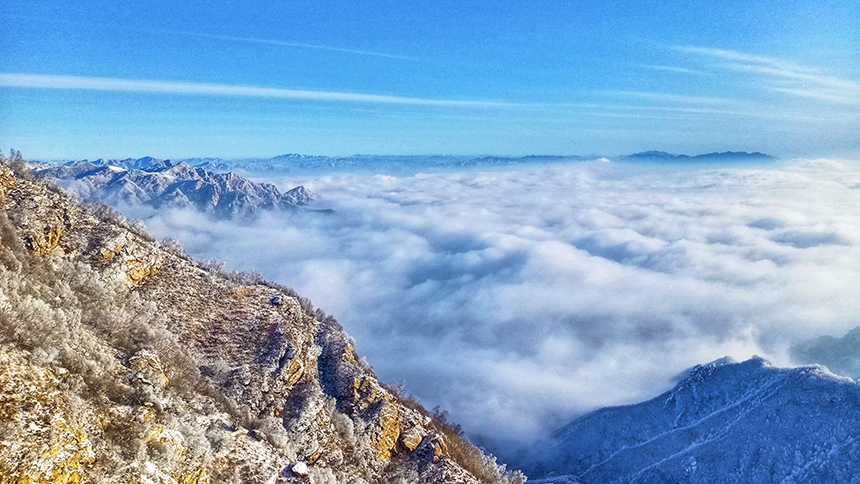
x: 47, y: 241
x: 149, y: 363
x: 199, y: 476
x: 65, y: 459
x: 135, y: 261
x: 349, y: 353
x: 315, y: 456
x: 366, y: 392
x: 110, y: 253
x: 144, y: 414
x: 411, y: 438
x: 384, y: 437
x: 432, y: 448
x: 168, y: 439
x: 137, y: 270
x: 7, y: 180
x: 295, y: 371
x: 48, y: 445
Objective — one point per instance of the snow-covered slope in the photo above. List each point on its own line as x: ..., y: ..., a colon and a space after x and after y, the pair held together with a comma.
x: 725, y: 422
x: 161, y: 183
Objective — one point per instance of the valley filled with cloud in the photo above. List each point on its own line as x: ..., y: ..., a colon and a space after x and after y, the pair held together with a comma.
x: 520, y: 298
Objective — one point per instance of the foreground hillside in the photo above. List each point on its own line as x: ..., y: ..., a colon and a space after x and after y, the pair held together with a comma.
x: 122, y: 360
x: 725, y: 423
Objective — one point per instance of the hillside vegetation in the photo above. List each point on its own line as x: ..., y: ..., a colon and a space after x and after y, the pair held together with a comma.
x: 122, y: 360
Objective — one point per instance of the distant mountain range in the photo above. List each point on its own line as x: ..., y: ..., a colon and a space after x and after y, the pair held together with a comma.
x: 724, y: 422
x: 213, y: 186
x: 312, y: 164
x: 726, y: 156
x: 296, y: 163
x: 162, y: 183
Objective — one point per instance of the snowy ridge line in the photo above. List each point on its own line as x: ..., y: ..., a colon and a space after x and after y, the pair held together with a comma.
x: 294, y: 163
x: 162, y: 183
x: 774, y: 382
x: 763, y: 424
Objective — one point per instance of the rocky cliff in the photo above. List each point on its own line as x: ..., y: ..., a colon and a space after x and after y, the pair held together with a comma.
x: 123, y: 360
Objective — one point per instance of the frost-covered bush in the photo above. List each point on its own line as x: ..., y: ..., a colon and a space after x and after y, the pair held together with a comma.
x: 322, y: 475
x: 343, y: 425
x: 174, y: 247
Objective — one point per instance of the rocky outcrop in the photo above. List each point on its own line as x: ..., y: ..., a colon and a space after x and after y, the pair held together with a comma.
x: 129, y: 257
x: 43, y: 440
x: 124, y: 362
x: 150, y: 366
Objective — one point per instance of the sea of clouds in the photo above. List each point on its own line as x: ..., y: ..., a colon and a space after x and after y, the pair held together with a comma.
x: 518, y: 299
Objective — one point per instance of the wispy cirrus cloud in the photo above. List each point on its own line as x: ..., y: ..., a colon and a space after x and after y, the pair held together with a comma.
x: 662, y: 104
x: 676, y: 69
x: 674, y: 98
x: 779, y: 75
x: 303, y: 45
x: 40, y: 81
x: 746, y: 59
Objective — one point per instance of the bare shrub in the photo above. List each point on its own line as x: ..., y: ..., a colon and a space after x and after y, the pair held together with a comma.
x: 108, y: 214
x: 8, y: 235
x: 173, y: 246
x: 322, y: 475
x: 343, y: 425
x: 481, y: 465
x: 401, y: 471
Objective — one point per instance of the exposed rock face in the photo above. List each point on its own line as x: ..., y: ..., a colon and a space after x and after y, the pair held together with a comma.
x: 124, y: 362
x: 7, y: 179
x: 43, y: 440
x: 161, y: 183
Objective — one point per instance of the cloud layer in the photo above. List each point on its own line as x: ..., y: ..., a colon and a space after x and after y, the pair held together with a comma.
x: 518, y: 299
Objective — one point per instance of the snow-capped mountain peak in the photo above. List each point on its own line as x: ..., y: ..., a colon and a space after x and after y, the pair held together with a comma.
x: 162, y: 183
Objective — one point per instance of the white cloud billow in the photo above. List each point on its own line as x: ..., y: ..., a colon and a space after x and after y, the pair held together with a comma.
x: 520, y: 298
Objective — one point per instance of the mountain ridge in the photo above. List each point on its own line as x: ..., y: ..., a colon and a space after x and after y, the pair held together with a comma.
x: 162, y: 183
x: 124, y: 360
x: 725, y: 156
x: 723, y: 422
x: 295, y: 163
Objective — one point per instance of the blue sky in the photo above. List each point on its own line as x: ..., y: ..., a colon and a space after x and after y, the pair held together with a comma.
x: 230, y: 79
